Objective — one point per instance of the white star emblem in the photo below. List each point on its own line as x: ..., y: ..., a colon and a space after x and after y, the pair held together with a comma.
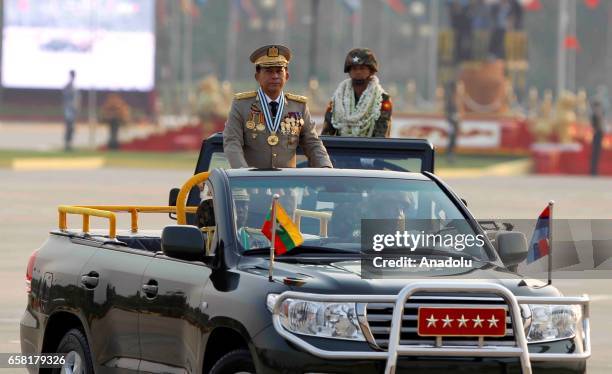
x: 492, y: 321
x: 463, y: 321
x: 477, y: 321
x: 447, y: 321
x: 431, y: 321
x: 355, y: 59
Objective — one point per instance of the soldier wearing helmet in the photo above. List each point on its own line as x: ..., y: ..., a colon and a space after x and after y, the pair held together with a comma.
x: 359, y: 106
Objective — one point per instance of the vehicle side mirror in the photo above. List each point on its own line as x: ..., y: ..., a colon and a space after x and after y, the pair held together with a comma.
x: 512, y: 247
x: 184, y: 242
x: 464, y: 201
x: 172, y: 201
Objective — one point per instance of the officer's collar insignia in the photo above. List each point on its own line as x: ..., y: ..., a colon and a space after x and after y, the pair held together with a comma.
x: 273, y: 52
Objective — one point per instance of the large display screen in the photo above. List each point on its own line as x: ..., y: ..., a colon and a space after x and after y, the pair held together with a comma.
x: 110, y: 44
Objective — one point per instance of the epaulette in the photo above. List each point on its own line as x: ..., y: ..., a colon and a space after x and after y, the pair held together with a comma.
x: 245, y: 95
x: 298, y: 98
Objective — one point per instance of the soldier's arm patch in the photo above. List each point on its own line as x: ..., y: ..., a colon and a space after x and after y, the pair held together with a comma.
x: 298, y: 98
x: 386, y: 105
x: 245, y: 95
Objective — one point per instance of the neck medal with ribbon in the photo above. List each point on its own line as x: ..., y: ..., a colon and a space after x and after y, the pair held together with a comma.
x: 272, y: 123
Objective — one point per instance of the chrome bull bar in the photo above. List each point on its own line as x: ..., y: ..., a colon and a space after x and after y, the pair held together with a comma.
x: 395, y: 349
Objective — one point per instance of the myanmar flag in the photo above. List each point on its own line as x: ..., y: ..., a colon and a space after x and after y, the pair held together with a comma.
x: 287, y: 234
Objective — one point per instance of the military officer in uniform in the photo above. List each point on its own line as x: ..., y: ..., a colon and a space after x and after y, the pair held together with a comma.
x: 264, y: 127
x: 360, y: 106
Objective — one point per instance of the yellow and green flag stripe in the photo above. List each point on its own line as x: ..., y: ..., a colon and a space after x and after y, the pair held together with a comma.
x: 287, y: 234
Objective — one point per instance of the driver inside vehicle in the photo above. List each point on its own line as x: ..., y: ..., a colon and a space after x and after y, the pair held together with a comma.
x: 347, y: 215
x: 249, y: 237
x: 382, y: 206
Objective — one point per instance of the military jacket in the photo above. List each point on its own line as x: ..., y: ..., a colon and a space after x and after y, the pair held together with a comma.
x: 245, y: 137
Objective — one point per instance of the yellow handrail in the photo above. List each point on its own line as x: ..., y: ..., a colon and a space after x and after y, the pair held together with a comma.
x: 134, y: 209
x: 107, y: 211
x: 181, y: 217
x: 63, y: 210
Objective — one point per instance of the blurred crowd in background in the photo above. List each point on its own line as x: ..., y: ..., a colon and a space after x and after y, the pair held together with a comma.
x: 541, y: 64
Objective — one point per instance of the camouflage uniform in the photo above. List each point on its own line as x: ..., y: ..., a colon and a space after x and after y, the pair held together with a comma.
x: 382, y: 126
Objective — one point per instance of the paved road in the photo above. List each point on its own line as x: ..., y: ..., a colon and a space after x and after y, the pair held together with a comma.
x: 29, y: 199
x: 50, y: 136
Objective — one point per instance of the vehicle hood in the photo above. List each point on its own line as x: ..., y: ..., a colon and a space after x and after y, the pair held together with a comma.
x: 344, y: 276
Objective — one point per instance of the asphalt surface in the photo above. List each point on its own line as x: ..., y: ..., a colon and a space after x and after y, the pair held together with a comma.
x: 50, y: 136
x: 29, y: 201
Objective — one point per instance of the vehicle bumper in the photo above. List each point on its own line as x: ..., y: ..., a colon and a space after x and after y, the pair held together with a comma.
x: 562, y: 356
x: 275, y: 355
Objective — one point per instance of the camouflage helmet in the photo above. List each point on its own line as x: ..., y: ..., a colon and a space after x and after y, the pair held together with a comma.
x: 361, y: 56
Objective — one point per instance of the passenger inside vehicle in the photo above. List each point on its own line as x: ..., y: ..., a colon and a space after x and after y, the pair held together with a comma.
x: 206, y: 214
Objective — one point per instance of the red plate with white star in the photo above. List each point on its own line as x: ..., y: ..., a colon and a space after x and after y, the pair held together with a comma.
x: 461, y: 322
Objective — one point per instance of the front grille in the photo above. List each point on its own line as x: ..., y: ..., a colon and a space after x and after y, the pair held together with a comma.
x: 379, y: 321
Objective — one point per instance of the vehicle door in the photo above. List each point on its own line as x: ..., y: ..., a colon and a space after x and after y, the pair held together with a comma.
x: 172, y: 313
x: 113, y: 277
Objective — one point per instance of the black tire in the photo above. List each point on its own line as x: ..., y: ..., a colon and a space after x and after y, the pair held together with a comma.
x: 78, y: 359
x: 238, y: 361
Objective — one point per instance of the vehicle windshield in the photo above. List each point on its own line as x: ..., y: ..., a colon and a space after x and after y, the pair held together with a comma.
x: 329, y: 211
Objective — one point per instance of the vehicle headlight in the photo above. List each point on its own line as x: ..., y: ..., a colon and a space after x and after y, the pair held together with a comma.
x: 321, y: 319
x: 553, y: 322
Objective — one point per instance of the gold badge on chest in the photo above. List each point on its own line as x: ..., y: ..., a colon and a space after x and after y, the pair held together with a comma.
x: 292, y: 124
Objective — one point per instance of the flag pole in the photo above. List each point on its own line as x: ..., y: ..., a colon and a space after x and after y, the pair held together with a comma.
x: 273, y: 240
x: 551, y: 203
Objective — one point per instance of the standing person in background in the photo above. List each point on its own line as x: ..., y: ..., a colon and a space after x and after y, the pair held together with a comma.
x: 461, y: 18
x: 501, y: 13
x: 597, y: 122
x: 360, y: 106
x: 70, y: 106
x: 451, y: 111
x: 481, y: 26
x: 516, y: 13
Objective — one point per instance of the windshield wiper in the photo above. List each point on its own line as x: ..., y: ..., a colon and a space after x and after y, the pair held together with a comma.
x: 303, y: 249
